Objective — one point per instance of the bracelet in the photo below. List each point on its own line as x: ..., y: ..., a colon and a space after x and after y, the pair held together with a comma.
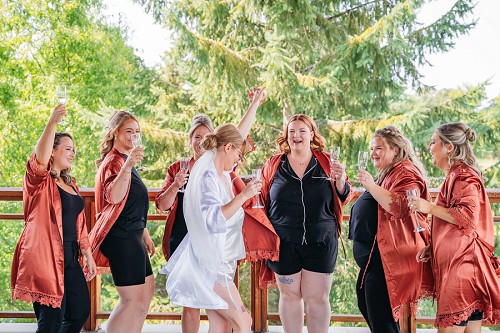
x: 172, y: 187
x: 123, y: 170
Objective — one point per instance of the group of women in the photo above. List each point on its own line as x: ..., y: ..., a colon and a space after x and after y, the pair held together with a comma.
x: 213, y: 224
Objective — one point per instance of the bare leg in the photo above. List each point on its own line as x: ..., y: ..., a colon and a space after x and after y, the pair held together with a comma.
x: 217, y: 323
x: 291, y: 305
x: 453, y: 329
x: 473, y: 326
x: 190, y: 320
x: 132, y: 308
x: 236, y: 315
x: 315, y: 289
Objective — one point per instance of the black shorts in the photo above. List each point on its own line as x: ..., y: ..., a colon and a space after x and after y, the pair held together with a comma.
x: 476, y: 315
x: 315, y: 257
x: 128, y: 258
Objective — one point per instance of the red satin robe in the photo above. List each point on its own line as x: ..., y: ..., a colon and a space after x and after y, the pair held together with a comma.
x: 37, y: 273
x: 462, y: 254
x: 407, y: 280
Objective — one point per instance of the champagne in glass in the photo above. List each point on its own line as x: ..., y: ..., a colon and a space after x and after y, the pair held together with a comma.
x: 137, y: 141
x: 334, y: 157
x: 414, y: 192
x: 62, y: 97
x: 362, y: 160
x: 185, y: 168
x: 257, y: 173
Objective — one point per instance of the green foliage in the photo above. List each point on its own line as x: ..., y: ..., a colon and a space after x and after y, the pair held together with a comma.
x: 46, y: 43
x: 417, y: 117
x: 346, y: 63
x: 330, y: 58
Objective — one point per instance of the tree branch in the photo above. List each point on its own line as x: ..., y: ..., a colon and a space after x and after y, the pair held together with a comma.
x: 350, y: 10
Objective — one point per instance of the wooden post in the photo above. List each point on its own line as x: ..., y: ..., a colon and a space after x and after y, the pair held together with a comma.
x: 258, y: 301
x: 92, y: 323
x: 255, y: 312
x: 407, y: 321
x: 263, y: 307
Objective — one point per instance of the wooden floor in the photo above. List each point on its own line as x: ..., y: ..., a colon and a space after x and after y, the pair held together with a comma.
x: 159, y: 328
x: 162, y: 328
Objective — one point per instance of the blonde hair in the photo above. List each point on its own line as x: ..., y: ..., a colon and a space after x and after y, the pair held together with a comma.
x: 223, y: 134
x: 460, y: 136
x: 200, y: 119
x: 115, y: 123
x: 317, y: 143
x: 65, y: 173
x: 398, y: 141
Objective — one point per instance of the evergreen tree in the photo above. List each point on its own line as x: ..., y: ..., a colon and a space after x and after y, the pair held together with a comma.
x: 330, y: 59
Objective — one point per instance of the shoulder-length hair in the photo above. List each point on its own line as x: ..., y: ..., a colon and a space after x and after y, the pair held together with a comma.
x: 317, y: 143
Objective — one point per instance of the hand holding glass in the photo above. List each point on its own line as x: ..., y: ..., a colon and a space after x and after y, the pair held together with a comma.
x: 257, y: 173
x: 414, y: 193
x: 334, y: 157
x: 136, y: 142
x: 184, y: 168
x: 62, y: 97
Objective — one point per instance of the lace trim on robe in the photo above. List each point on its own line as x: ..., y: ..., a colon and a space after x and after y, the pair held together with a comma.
x: 490, y: 316
x: 425, y: 293
x: 32, y: 296
x: 462, y: 221
x: 398, y: 206
x: 262, y: 254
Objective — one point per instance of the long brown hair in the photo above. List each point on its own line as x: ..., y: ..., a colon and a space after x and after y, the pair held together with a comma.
x: 115, y: 122
x: 460, y: 136
x: 317, y: 143
x: 65, y: 173
x: 398, y: 141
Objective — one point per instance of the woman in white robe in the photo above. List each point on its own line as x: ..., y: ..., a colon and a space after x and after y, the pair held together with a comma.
x: 201, y: 271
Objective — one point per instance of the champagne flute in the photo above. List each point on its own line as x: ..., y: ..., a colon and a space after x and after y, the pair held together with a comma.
x: 334, y: 157
x: 185, y: 168
x: 414, y: 192
x: 362, y: 161
x: 137, y: 141
x: 257, y: 173
x: 62, y: 97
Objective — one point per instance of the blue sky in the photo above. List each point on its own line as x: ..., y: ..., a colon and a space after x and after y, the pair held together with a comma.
x: 475, y: 58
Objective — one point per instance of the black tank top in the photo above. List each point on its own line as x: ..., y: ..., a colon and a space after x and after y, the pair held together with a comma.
x: 72, y: 206
x: 135, y: 212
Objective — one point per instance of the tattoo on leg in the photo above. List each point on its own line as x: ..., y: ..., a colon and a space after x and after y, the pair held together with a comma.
x: 285, y: 280
x: 243, y: 309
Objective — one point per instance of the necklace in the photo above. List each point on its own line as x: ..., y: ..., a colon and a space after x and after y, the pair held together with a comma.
x: 298, y: 161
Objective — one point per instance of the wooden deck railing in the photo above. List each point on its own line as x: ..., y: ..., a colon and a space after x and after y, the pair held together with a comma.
x: 259, y: 304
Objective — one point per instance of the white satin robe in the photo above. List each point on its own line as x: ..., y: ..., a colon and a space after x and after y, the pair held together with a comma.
x: 192, y: 269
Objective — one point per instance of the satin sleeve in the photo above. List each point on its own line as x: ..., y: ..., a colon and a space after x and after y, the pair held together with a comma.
x: 464, y: 203
x: 172, y: 170
x: 407, y: 180
x: 34, y: 177
x: 211, y: 203
x: 111, y: 171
